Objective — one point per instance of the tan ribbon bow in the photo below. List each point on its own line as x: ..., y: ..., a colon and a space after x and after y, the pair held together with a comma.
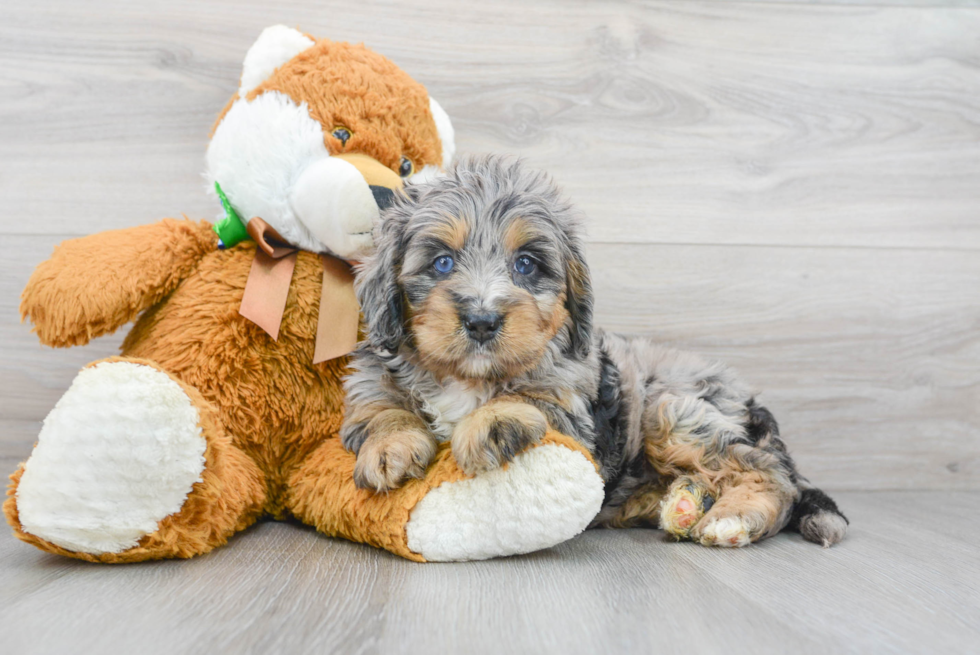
x: 267, y: 287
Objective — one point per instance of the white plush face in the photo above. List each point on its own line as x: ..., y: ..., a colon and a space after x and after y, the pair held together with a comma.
x: 269, y: 157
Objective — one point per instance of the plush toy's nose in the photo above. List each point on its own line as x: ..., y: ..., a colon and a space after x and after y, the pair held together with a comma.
x: 339, y: 198
x: 383, y: 196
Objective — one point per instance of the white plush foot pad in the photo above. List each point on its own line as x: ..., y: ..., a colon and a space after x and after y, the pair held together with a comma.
x: 118, y: 453
x: 546, y: 495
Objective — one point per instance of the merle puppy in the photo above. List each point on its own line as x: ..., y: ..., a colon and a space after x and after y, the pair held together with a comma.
x: 478, y: 311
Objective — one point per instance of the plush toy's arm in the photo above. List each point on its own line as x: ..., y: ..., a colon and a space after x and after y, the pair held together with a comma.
x: 93, y: 285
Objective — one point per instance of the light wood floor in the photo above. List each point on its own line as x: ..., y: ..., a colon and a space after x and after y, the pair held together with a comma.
x: 904, y: 581
x: 791, y: 186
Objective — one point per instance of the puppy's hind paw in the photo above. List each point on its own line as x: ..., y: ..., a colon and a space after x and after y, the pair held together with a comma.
x: 729, y: 532
x: 682, y: 508
x: 386, y: 461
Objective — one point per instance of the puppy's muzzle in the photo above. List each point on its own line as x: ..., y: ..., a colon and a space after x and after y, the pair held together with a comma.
x: 482, y: 327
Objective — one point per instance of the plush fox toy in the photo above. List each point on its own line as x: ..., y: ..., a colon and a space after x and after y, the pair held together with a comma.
x: 226, y: 400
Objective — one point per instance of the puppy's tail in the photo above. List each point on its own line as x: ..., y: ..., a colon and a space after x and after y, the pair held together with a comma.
x: 817, y: 518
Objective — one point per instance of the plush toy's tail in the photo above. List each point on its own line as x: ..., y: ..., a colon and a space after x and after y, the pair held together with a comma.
x: 817, y: 517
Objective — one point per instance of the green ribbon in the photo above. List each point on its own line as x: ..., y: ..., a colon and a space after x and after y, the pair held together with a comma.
x: 230, y: 229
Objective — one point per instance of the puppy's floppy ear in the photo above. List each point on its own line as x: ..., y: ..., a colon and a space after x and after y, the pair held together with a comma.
x: 376, y: 283
x: 578, y: 299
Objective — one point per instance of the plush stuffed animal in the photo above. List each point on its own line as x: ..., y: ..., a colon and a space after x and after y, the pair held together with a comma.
x: 225, y: 403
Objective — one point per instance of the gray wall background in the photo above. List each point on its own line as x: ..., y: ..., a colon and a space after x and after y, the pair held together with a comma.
x: 793, y: 187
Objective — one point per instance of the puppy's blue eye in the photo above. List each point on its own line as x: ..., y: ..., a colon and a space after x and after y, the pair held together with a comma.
x: 443, y: 264
x: 524, y: 265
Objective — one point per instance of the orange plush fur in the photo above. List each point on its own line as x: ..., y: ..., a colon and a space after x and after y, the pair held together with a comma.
x: 284, y: 412
x: 368, y: 91
x: 269, y: 416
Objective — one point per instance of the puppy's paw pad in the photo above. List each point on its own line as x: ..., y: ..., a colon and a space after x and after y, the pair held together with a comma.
x: 682, y: 509
x: 728, y: 532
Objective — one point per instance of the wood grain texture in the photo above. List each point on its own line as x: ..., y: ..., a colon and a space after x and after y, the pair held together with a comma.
x: 790, y: 187
x: 869, y: 358
x: 669, y: 122
x: 895, y: 585
x: 866, y: 3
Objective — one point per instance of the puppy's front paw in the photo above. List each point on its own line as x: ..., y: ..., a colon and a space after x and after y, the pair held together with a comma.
x: 386, y: 460
x: 494, y: 433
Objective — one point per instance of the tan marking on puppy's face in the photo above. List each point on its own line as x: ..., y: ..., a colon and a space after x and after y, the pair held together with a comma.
x: 438, y: 332
x: 485, y: 280
x: 528, y: 327
x: 488, y: 304
x: 445, y: 347
x: 451, y: 232
x: 519, y: 233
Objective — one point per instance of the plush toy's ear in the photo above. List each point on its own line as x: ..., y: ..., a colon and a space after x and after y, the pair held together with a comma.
x: 579, y: 298
x: 376, y: 281
x: 274, y: 47
x: 446, y: 133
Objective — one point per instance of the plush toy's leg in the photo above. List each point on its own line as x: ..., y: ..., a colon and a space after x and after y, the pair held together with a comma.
x: 131, y: 465
x: 546, y: 495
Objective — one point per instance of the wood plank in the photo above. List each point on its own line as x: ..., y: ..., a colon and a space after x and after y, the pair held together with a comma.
x: 894, y: 585
x: 804, y: 177
x: 693, y: 122
x: 870, y: 359
x: 890, y: 555
x: 866, y: 3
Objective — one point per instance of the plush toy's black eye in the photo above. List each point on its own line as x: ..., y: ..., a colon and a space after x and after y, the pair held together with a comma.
x: 405, y: 167
x: 524, y: 265
x: 341, y: 133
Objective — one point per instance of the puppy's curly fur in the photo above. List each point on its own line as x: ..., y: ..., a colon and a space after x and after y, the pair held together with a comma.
x: 478, y: 311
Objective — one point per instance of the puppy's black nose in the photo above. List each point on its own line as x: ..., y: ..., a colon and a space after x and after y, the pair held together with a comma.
x: 482, y: 327
x: 383, y: 196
